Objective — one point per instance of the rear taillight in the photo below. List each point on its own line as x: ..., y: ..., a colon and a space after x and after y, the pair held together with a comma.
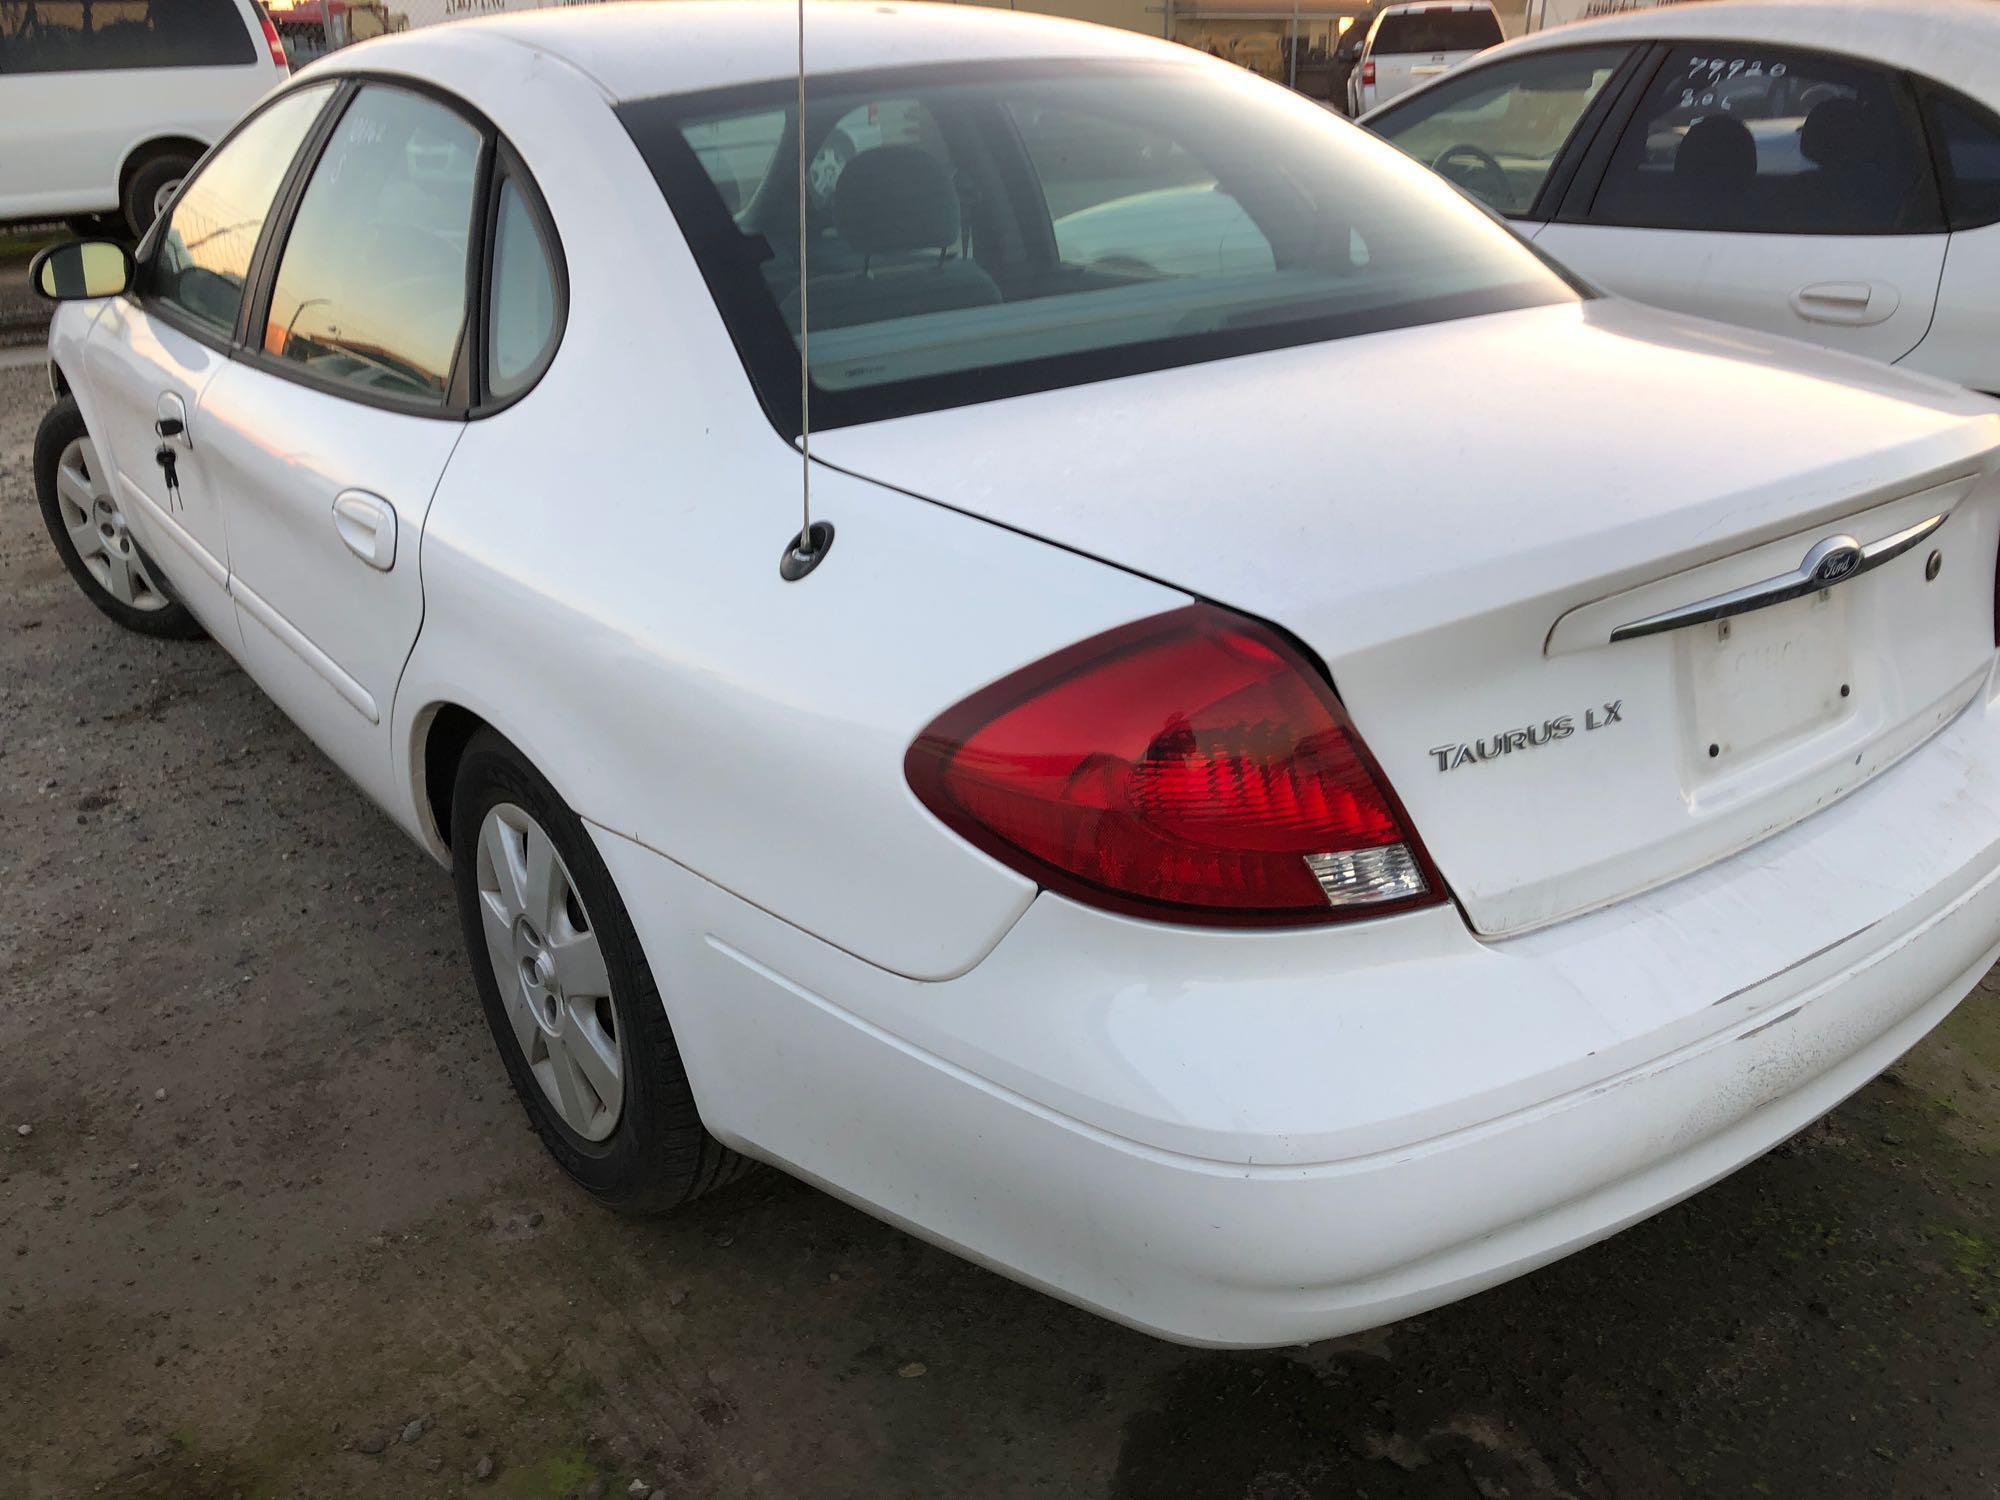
x: 1192, y: 767
x: 1368, y: 73
x: 273, y: 40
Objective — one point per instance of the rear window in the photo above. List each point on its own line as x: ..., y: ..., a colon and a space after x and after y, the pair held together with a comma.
x: 1437, y: 31
x: 84, y: 36
x: 977, y: 233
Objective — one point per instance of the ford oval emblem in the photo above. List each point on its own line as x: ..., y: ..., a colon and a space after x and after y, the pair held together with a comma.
x: 1836, y: 565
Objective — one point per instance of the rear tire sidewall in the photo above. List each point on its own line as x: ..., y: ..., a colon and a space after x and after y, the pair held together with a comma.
x: 62, y: 426
x: 634, y: 1168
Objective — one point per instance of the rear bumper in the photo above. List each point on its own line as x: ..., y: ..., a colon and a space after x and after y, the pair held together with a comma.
x: 1248, y: 1140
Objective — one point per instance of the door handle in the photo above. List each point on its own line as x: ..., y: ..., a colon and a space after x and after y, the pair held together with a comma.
x: 1857, y: 303
x: 170, y: 420
x: 367, y: 524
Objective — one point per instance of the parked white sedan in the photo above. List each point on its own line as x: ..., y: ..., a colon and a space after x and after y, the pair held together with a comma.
x: 1251, y: 884
x: 1826, y: 169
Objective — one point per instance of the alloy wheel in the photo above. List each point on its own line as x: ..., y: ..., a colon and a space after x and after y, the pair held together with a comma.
x: 551, y: 971
x: 96, y: 526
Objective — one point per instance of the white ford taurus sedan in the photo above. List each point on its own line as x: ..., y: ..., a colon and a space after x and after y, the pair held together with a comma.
x: 1292, y: 779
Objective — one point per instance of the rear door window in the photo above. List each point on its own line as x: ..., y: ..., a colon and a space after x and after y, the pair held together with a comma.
x: 1496, y: 132
x: 370, y: 295
x: 1763, y: 140
x: 203, y: 252
x: 1436, y: 31
x: 85, y: 36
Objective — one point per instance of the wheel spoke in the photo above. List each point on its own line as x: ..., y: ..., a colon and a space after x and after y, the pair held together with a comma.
x: 580, y: 971
x: 595, y: 1054
x: 541, y: 885
x: 75, y: 488
x: 573, y: 1095
x: 499, y: 944
x: 83, y: 533
x: 520, y: 1011
x: 118, y: 575
x: 508, y: 868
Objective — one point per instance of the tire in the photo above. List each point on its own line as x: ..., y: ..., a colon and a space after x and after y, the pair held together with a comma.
x: 149, y: 186
x: 80, y: 513
x: 650, y: 1152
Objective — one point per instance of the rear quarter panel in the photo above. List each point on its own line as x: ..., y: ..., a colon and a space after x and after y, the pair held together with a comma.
x: 601, y: 583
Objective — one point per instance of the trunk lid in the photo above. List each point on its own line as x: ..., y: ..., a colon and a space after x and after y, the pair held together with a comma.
x: 1459, y: 518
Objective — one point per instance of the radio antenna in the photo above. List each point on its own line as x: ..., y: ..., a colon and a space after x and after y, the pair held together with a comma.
x: 809, y: 547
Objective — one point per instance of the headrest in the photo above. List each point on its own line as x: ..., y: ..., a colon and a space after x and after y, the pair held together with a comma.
x: 1837, y: 133
x: 894, y: 198
x: 1717, y: 148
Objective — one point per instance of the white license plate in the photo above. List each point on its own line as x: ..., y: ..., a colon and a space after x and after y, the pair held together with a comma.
x: 1763, y: 680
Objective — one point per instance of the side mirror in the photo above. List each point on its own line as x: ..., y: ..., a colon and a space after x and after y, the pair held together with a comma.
x: 81, y: 269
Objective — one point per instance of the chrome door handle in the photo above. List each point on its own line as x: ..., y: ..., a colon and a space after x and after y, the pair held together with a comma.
x: 1854, y: 302
x: 170, y: 420
x: 367, y: 524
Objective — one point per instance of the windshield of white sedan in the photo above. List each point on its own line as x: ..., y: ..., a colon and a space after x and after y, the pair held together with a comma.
x: 971, y: 234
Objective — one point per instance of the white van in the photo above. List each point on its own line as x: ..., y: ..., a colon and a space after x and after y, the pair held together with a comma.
x: 105, y: 106
x: 1412, y: 43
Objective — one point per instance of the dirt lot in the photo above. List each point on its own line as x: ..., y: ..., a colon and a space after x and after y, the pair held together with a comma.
x: 277, y: 1204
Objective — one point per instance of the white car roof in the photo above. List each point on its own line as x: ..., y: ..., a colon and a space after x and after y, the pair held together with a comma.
x: 1957, y: 42
x: 637, y: 50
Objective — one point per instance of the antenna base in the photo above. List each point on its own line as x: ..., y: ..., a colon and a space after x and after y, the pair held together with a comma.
x: 804, y: 553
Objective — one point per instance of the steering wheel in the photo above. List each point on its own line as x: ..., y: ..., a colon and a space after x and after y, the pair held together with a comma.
x: 1501, y: 198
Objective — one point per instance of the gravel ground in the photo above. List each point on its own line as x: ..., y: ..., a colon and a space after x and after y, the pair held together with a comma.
x: 280, y: 1229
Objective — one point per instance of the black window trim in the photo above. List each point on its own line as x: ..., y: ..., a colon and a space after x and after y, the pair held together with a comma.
x: 466, y: 395
x: 769, y: 354
x: 1594, y: 155
x: 1570, y: 154
x: 1580, y: 204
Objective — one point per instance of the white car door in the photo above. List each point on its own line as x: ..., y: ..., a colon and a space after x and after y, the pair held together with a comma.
x: 152, y: 355
x: 1783, y: 190
x: 328, y: 435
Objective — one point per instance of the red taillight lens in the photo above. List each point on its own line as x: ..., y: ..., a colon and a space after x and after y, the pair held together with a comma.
x: 273, y: 40
x: 1368, y: 72
x: 1192, y: 767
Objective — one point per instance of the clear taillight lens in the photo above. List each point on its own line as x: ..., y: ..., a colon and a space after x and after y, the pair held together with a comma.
x: 1193, y: 767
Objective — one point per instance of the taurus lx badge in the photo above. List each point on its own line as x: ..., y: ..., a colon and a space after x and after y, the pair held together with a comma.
x: 1451, y: 757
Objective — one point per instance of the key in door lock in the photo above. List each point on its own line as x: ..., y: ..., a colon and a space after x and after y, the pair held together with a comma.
x: 166, y: 461
x: 169, y: 428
